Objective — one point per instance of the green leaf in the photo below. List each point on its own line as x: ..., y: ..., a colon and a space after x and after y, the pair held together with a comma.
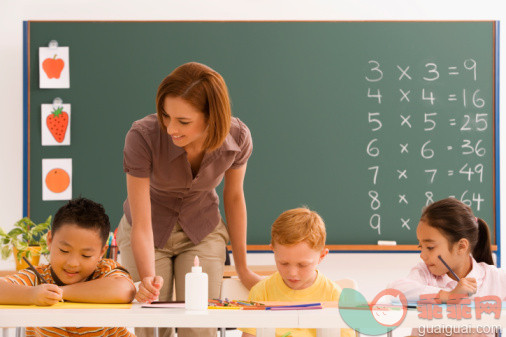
x: 19, y: 255
x: 57, y: 112
x: 15, y: 232
x: 39, y: 228
x: 6, y: 252
x: 21, y: 245
x: 29, y: 224
x: 22, y: 224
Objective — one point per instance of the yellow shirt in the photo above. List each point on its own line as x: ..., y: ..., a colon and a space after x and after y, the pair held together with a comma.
x: 274, y: 288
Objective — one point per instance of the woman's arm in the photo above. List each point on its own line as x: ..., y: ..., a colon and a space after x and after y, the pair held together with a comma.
x: 142, y: 232
x: 235, y: 213
x: 142, y: 237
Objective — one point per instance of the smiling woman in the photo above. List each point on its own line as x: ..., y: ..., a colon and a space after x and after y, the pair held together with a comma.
x: 174, y: 160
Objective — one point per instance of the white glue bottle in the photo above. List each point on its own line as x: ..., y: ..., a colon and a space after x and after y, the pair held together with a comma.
x: 196, y: 288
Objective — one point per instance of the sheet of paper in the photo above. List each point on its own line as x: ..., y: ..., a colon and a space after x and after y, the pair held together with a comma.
x: 71, y: 305
x: 163, y: 305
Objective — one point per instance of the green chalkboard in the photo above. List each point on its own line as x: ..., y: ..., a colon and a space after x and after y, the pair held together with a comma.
x: 309, y: 92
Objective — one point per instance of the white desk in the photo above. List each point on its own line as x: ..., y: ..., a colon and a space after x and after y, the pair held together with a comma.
x: 327, y: 321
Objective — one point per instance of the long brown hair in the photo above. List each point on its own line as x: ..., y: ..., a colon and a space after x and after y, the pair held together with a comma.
x: 455, y: 220
x: 204, y: 89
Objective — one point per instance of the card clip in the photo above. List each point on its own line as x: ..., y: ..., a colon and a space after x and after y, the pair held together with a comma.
x: 53, y: 44
x: 57, y: 102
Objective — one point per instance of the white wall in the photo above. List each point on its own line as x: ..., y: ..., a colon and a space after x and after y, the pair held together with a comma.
x: 370, y: 270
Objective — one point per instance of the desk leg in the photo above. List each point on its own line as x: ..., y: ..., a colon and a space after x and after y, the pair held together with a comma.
x: 5, y: 332
x: 266, y: 332
x: 223, y: 332
x: 20, y: 332
x: 328, y: 332
x: 156, y: 331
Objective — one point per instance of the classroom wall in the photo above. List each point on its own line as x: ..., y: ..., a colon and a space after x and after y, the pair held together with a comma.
x: 13, y: 12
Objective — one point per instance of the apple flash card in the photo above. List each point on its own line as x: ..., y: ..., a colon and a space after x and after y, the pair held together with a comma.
x: 54, y: 67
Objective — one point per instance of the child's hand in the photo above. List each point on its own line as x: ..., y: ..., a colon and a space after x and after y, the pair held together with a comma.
x: 46, y: 294
x: 466, y: 286
x: 149, y: 289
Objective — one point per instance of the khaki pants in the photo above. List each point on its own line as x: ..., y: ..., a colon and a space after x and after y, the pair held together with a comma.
x: 173, y: 261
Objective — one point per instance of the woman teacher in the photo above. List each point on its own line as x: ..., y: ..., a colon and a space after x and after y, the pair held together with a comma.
x: 174, y: 160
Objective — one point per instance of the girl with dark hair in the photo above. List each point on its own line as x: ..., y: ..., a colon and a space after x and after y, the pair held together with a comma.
x: 449, y: 231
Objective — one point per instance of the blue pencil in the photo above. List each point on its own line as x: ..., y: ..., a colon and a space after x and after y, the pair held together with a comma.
x: 447, y: 266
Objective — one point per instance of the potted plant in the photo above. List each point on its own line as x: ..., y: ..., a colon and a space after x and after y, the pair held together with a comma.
x: 25, y: 239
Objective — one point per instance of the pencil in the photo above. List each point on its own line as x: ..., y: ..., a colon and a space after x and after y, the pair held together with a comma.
x: 41, y: 279
x: 447, y: 266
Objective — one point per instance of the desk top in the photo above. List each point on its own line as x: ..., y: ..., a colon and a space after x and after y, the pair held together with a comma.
x: 147, y: 317
x: 328, y: 318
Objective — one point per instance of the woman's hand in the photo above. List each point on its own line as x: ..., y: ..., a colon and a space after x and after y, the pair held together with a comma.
x: 46, y: 294
x: 149, y: 289
x: 248, y: 278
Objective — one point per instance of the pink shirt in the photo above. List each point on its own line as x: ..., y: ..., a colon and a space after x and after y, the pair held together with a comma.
x: 490, y: 281
x: 176, y: 196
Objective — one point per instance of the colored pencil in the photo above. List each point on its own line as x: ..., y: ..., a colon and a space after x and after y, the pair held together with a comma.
x: 41, y: 279
x: 447, y: 266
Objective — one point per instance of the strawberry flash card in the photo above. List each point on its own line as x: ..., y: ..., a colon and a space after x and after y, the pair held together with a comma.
x: 57, y: 179
x: 55, y: 124
x: 54, y: 67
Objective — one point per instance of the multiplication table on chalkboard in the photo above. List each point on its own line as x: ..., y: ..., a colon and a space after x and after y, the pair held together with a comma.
x: 432, y: 120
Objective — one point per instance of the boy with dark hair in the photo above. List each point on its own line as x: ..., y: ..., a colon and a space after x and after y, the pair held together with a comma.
x: 76, y: 272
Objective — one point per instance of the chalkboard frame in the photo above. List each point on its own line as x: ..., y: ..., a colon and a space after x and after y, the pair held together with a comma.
x: 334, y: 248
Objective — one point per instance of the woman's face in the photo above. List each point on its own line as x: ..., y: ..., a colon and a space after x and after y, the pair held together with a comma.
x: 186, y: 125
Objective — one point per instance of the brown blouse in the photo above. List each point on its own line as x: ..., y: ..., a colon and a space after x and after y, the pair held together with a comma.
x: 175, y: 195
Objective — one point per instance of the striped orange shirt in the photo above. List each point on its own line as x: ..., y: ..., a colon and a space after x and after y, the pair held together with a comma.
x: 105, y: 268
